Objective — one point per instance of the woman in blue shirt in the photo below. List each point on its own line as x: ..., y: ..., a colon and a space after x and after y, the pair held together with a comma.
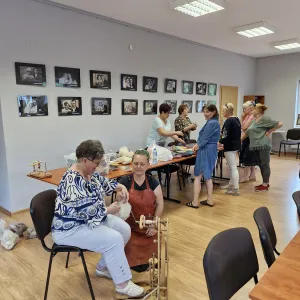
x: 207, y: 152
x: 82, y: 220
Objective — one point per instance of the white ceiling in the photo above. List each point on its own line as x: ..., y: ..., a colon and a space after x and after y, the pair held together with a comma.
x: 214, y: 29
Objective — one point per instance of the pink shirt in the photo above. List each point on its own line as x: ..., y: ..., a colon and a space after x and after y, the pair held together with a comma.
x: 249, y: 117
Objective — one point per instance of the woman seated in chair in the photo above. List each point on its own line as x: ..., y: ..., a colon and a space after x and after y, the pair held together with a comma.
x: 82, y: 220
x: 145, y: 197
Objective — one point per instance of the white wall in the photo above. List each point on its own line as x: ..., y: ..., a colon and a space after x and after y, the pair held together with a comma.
x: 35, y: 32
x: 277, y: 78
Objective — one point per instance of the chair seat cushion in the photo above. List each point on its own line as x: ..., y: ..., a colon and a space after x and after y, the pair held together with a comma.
x: 290, y: 142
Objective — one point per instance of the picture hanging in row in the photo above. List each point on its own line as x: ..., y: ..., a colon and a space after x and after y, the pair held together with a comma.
x: 67, y: 77
x: 189, y: 104
x: 30, y: 74
x: 187, y: 87
x: 100, y: 80
x: 30, y: 106
x: 128, y: 82
x: 150, y: 84
x: 200, y: 105
x: 129, y: 107
x: 212, y: 89
x: 201, y: 88
x: 170, y: 86
x: 173, y: 104
x: 69, y: 106
x: 150, y: 107
x: 101, y: 106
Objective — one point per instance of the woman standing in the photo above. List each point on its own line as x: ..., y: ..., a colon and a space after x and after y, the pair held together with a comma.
x: 183, y: 123
x: 246, y: 160
x: 230, y: 142
x: 207, y: 152
x: 260, y: 142
x: 161, y: 128
x: 146, y: 198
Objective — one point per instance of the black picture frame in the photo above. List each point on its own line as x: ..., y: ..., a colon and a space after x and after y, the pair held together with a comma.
x: 128, y: 82
x: 69, y: 106
x: 187, y: 87
x: 212, y: 89
x: 150, y: 107
x: 201, y: 88
x: 189, y: 104
x: 100, y: 80
x: 130, y: 106
x: 173, y: 104
x: 30, y: 74
x: 200, y: 105
x: 67, y: 77
x: 33, y: 106
x: 150, y: 84
x: 101, y: 106
x: 170, y: 86
x: 214, y: 102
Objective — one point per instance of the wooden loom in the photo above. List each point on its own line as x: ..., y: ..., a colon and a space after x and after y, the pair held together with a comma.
x: 157, y: 283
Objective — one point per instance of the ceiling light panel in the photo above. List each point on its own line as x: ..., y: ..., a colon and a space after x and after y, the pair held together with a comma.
x: 197, y: 8
x: 255, y: 29
x: 287, y: 45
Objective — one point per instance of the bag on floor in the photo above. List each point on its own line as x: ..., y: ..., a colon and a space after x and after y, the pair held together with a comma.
x: 9, y: 239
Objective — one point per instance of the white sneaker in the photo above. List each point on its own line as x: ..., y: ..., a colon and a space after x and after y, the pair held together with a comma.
x: 104, y: 273
x: 226, y: 187
x: 233, y: 192
x: 131, y: 290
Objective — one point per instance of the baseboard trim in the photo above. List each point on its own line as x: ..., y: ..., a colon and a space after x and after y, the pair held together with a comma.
x: 5, y: 211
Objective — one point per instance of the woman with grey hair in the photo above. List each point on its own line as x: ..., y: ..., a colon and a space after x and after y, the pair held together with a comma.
x: 246, y: 159
x: 82, y: 220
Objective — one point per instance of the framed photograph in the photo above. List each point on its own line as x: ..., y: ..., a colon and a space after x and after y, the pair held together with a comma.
x: 129, y: 107
x: 30, y: 106
x: 67, y: 77
x: 200, y: 105
x: 212, y: 89
x: 173, y: 104
x: 128, y: 82
x: 170, y: 86
x: 69, y: 106
x: 150, y: 107
x: 201, y: 88
x: 187, y: 87
x: 189, y: 104
x: 298, y: 120
x: 211, y: 102
x: 30, y: 74
x: 101, y: 106
x: 100, y: 80
x: 150, y: 84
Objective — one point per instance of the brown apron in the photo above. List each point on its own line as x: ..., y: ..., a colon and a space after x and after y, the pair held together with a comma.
x: 140, y: 247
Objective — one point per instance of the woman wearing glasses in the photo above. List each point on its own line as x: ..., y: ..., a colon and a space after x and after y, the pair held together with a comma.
x: 82, y: 220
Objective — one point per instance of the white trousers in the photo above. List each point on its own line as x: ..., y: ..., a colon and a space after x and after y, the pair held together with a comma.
x: 108, y: 239
x: 234, y: 173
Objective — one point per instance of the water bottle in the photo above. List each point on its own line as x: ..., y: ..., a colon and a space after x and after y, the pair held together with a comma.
x: 154, y: 154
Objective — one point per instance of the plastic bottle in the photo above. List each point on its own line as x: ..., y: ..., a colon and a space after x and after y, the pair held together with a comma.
x: 154, y: 154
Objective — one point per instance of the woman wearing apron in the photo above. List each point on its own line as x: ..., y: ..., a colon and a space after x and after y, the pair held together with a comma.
x: 145, y: 197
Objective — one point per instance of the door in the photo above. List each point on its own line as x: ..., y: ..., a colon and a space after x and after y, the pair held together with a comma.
x: 228, y: 94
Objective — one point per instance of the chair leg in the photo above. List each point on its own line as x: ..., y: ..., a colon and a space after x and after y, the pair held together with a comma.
x: 179, y: 180
x: 48, y: 276
x: 297, y: 151
x: 67, y: 262
x: 284, y: 149
x: 255, y: 279
x: 183, y: 175
x: 278, y: 253
x: 279, y: 150
x: 87, y: 275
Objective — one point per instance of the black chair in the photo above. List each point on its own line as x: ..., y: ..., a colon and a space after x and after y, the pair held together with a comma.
x: 42, y: 210
x: 263, y: 218
x: 292, y: 138
x: 296, y: 197
x: 229, y: 262
x: 265, y: 240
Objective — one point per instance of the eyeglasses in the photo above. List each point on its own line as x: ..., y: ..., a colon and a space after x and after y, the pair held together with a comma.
x: 97, y: 164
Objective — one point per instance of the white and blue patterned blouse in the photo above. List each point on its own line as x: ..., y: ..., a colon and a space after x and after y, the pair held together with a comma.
x: 80, y: 202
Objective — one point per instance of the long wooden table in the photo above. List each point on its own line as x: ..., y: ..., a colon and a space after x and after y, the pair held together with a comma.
x: 282, y: 280
x: 57, y: 174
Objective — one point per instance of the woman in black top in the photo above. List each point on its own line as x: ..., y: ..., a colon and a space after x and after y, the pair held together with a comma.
x: 230, y: 142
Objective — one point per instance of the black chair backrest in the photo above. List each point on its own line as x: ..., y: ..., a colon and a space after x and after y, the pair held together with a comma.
x: 296, y: 197
x: 262, y: 217
x: 229, y: 262
x: 265, y: 242
x: 42, y: 210
x: 293, y: 134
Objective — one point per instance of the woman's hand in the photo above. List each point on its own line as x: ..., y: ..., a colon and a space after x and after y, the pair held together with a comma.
x: 122, y: 193
x: 179, y: 140
x: 195, y: 148
x: 268, y: 133
x: 179, y: 133
x: 113, y: 209
x: 220, y: 147
x: 151, y: 231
